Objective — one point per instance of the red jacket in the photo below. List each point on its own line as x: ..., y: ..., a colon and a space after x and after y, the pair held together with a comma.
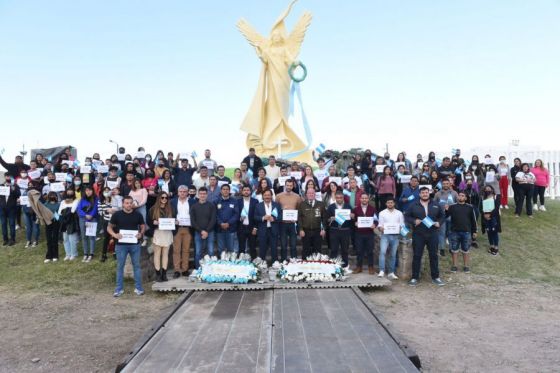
x: 359, y: 193
x: 370, y: 211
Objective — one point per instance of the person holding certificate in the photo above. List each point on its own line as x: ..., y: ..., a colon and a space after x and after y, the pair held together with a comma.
x: 364, y: 238
x: 8, y: 209
x: 390, y: 222
x: 339, y: 224
x: 311, y: 214
x: 127, y: 227
x: 162, y: 235
x: 182, y: 235
x: 289, y: 201
x: 426, y: 217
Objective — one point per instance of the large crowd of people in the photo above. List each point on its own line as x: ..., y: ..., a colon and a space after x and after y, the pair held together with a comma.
x: 126, y: 201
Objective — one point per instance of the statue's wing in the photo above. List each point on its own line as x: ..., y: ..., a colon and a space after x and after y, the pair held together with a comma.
x: 298, y: 33
x: 252, y: 36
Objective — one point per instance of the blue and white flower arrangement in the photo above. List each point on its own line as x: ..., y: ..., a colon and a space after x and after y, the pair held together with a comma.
x: 231, y: 268
x: 316, y: 268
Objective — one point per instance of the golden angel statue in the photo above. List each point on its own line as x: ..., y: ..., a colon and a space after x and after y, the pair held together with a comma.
x: 266, y: 122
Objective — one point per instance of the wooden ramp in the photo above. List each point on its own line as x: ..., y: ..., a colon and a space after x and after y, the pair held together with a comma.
x: 279, y: 330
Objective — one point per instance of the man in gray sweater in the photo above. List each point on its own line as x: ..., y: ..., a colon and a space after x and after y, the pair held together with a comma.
x: 203, y: 221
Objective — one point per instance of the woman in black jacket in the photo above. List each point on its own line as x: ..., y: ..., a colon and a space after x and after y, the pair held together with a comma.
x: 491, y: 222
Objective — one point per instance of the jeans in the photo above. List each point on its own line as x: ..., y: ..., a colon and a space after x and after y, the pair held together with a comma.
x: 142, y: 211
x: 340, y: 239
x: 201, y: 244
x: 31, y: 227
x: 364, y: 245
x: 8, y: 217
x: 227, y: 242
x: 288, y: 235
x: 460, y: 240
x: 539, y: 192
x: 525, y: 192
x: 134, y: 252
x: 390, y: 241
x: 70, y: 244
x: 419, y: 241
x: 88, y: 243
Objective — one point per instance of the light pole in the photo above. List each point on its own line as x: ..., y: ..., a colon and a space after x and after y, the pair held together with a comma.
x: 114, y: 142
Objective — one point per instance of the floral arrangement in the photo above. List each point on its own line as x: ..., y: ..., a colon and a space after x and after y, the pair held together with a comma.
x: 229, y: 268
x: 316, y: 268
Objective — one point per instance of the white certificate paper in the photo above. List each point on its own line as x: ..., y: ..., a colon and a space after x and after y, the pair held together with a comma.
x: 282, y: 180
x: 186, y: 221
x: 379, y: 168
x: 91, y: 229
x: 335, y: 179
x: 343, y: 213
x: 5, y: 191
x: 365, y: 221
x: 166, y: 224
x: 60, y: 176
x: 128, y: 236
x: 290, y: 215
x: 391, y: 229
x: 57, y: 187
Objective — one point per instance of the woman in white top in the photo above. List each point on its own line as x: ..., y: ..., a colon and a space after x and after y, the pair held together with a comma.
x: 261, y: 187
x: 503, y: 173
x: 526, y: 180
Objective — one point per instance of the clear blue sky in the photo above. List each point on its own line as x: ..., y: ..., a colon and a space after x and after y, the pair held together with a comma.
x: 178, y: 75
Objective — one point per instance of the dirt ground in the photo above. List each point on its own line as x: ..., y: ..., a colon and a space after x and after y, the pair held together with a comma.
x: 474, y: 324
x: 477, y: 323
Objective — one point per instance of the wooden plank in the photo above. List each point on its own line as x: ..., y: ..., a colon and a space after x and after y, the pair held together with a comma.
x: 171, y: 343
x: 247, y: 348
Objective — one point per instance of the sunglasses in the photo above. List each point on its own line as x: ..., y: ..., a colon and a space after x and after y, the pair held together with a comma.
x: 163, y: 197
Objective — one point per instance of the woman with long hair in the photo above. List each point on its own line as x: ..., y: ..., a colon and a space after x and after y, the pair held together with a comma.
x: 107, y: 207
x: 261, y: 188
x: 491, y: 222
x: 386, y: 187
x: 162, y: 239
x: 503, y: 173
x: 87, y: 213
x: 542, y: 180
x: 526, y: 180
x: 329, y: 195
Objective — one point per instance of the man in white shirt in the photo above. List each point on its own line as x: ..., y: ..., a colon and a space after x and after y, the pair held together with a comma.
x: 203, y: 180
x: 272, y: 170
x: 390, y: 222
x: 322, y: 172
x: 182, y: 239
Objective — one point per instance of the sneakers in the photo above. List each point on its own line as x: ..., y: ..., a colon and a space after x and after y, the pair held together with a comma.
x: 176, y: 275
x: 506, y: 207
x: 438, y: 282
x: 535, y: 207
x: 144, y: 243
x: 5, y: 243
x: 46, y: 261
x: 27, y: 244
x: 542, y: 208
x: 72, y: 258
x: 138, y: 292
x: 84, y: 259
x: 34, y: 244
x: 89, y: 258
x: 381, y: 274
x: 392, y: 276
x: 466, y: 270
x: 453, y: 269
x: 55, y: 260
x: 66, y: 258
x: 103, y: 258
x: 474, y: 244
x: 413, y: 282
x: 12, y: 242
x: 118, y: 293
x: 441, y: 252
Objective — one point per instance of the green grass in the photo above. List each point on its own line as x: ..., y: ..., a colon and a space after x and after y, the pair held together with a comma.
x: 528, y: 251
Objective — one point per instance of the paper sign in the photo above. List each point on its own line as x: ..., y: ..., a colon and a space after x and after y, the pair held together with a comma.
x: 60, y: 176
x: 85, y: 169
x: 209, y: 164
x: 112, y: 184
x: 141, y: 155
x: 166, y: 224
x: 428, y: 222
x: 282, y: 180
x: 69, y: 163
x: 91, y: 229
x: 220, y: 183
x: 379, y: 168
x: 318, y: 196
x: 35, y: 174
x: 57, y: 187
x: 335, y: 179
x: 23, y: 183
x: 184, y: 155
x: 184, y: 221
x: 398, y: 164
x: 103, y: 169
x: 24, y: 201
x: 121, y: 157
x: 490, y: 177
x: 488, y: 205
x: 128, y: 236
x: 290, y: 215
x: 429, y: 186
x: 405, y: 179
x: 5, y: 191
x: 391, y: 229
x: 46, y: 180
x: 365, y: 221
x: 96, y: 162
x: 296, y: 174
x: 343, y: 213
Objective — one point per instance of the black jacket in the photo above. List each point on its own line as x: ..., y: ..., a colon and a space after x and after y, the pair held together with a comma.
x: 462, y: 218
x: 11, y: 201
x: 257, y: 163
x: 416, y: 211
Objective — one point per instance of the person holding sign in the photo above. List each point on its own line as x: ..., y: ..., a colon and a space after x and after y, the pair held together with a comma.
x: 311, y: 218
x: 445, y: 197
x: 386, y: 186
x: 162, y: 238
x: 127, y: 227
x: 183, y: 175
x: 254, y: 163
x: 525, y: 188
x: 210, y: 164
x: 339, y: 224
x: 390, y: 222
x: 69, y: 224
x: 52, y: 229
x: 247, y: 232
x: 227, y: 216
x: 280, y: 182
x: 9, y: 195
x: 203, y: 221
x: 491, y: 221
x: 267, y: 216
x: 409, y: 194
x: 289, y: 202
x: 426, y: 217
x: 182, y: 235
x: 87, y: 212
x: 462, y: 222
x: 364, y: 239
